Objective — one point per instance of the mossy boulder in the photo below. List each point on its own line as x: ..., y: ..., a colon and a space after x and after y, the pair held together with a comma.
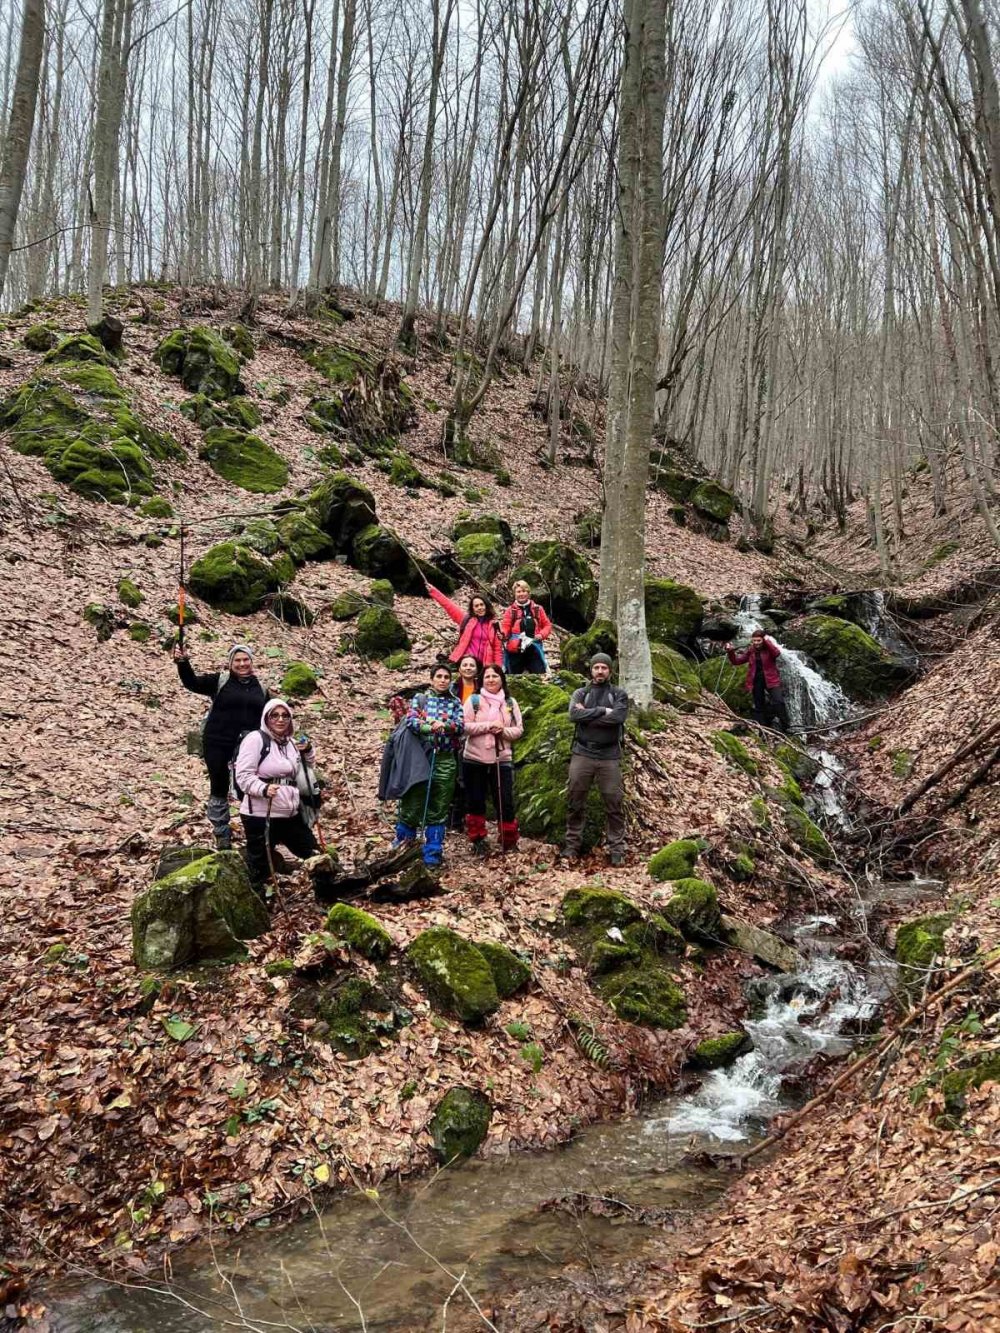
x: 339, y: 364
x: 795, y: 762
x: 510, y: 973
x: 803, y: 831
x: 587, y: 527
x: 156, y: 507
x: 379, y: 632
x: 347, y: 605
x: 483, y: 554
x: 39, y: 338
x: 713, y: 501
x: 234, y: 578
x: 575, y: 653
x: 303, y: 538
x: 847, y: 655
x: 175, y: 856
x: 201, y: 912
x: 675, y: 678
x: 381, y: 592
x: 734, y: 752
x: 484, y: 523
x: 239, y: 337
x: 263, y: 535
x: 342, y: 507
x: 918, y: 943
x: 102, y: 618
x: 694, y: 910
x: 675, y: 861
x: 456, y: 976
x: 355, y: 1016
x: 646, y: 995
x: 202, y: 361
x: 208, y: 412
x: 79, y: 347
x: 299, y: 681
x: 667, y: 476
x: 590, y: 906
x: 717, y: 1052
x: 562, y: 581
x: 674, y: 611
x: 728, y: 682
x: 245, y: 460
x: 129, y: 593
x: 359, y: 931
x: 741, y: 867
x: 378, y: 551
x: 460, y: 1123
x: 956, y: 1083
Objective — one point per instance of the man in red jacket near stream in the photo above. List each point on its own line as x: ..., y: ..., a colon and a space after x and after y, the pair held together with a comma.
x: 763, y: 680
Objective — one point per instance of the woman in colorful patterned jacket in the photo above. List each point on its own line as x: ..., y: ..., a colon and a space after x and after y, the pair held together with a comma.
x: 478, y: 629
x: 436, y: 717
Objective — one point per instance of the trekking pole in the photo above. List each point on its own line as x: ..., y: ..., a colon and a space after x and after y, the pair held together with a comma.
x: 427, y: 799
x: 496, y: 746
x: 270, y: 858
x: 180, y: 597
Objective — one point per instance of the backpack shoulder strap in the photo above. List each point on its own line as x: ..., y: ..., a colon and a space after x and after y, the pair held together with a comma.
x: 265, y: 745
x: 223, y: 681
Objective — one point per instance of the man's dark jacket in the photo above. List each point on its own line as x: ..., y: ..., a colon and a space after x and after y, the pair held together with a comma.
x: 599, y: 733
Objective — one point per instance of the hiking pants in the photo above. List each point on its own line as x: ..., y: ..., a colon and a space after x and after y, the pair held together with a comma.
x: 291, y: 833
x: 526, y: 664
x: 218, y: 799
x: 584, y: 771
x: 768, y: 702
x: 411, y: 807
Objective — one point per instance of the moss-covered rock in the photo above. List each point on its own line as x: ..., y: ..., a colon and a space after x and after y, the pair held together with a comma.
x: 675, y: 678
x: 795, y: 762
x: 484, y: 523
x: 734, y: 752
x: 902, y: 763
x: 510, y: 973
x: 717, y: 1052
x: 380, y: 632
x: 460, y: 1123
x: 201, y: 912
x: 713, y: 501
x: 39, y: 338
x: 381, y: 592
x: 675, y: 861
x: 575, y: 653
x: 847, y: 655
x: 674, y: 611
x: 79, y: 347
x: 347, y: 605
x: 728, y: 682
x: 646, y: 995
x: 367, y: 401
x: 299, y: 681
x: 561, y: 580
x: 140, y: 632
x: 102, y: 619
x: 741, y: 867
x: 457, y: 978
x: 483, y: 554
x: 201, y: 360
x: 175, y: 856
x: 956, y: 1083
x: 209, y: 413
x: 245, y: 460
x: 239, y: 337
x: 804, y: 832
x: 234, y: 578
x: 359, y: 931
x: 129, y: 593
x: 694, y: 910
x: 378, y: 551
x: 303, y: 538
x: 918, y: 943
x: 262, y: 534
x: 590, y: 906
x: 355, y: 1016
x: 156, y: 507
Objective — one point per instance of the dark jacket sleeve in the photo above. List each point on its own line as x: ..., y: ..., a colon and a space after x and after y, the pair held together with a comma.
x: 204, y: 684
x: 586, y: 714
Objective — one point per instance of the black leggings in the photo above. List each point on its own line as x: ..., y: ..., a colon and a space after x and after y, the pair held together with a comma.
x: 292, y: 833
x: 482, y: 778
x: 218, y: 775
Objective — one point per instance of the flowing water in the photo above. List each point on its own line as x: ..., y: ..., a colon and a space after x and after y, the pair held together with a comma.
x: 397, y: 1258
x: 812, y: 699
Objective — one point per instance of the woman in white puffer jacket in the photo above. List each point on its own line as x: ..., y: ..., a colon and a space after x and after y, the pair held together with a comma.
x: 267, y: 773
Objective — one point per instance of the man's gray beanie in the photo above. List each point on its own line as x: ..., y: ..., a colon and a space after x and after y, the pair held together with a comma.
x: 601, y: 657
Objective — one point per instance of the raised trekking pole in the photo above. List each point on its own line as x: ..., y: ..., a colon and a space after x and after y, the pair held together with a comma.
x: 180, y: 597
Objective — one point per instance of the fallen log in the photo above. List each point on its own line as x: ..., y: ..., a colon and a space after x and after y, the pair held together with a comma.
x: 944, y: 769
x: 333, y: 883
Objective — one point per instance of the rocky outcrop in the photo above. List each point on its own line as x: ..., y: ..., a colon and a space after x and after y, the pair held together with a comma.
x: 201, y: 912
x: 456, y: 976
x: 561, y: 580
x: 847, y: 655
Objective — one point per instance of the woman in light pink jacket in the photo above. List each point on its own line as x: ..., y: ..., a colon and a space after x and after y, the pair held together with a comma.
x: 492, y: 723
x: 267, y: 773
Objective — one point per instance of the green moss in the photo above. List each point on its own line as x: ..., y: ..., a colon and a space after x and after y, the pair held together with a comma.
x: 233, y: 578
x: 79, y: 347
x: 654, y: 934
x: 397, y: 661
x: 303, y: 538
x: 202, y: 361
x: 942, y: 552
x: 716, y: 1052
x: 675, y: 678
x: 404, y: 472
x: 587, y: 525
x: 356, y: 1016
x: 460, y: 1123
x: 380, y: 632
x: 902, y: 763
x: 299, y: 681
x: 575, y: 653
x: 734, y: 752
x: 590, y: 906
x: 347, y: 605
x: 561, y: 580
x: 742, y: 867
x: 359, y: 931
x: 380, y: 591
x: 139, y: 632
x: 674, y: 611
x: 376, y: 550
x: 918, y: 944
x: 713, y: 501
x: 760, y: 812
x: 807, y: 835
x: 875, y: 744
x: 694, y: 910
x: 128, y: 593
x: 455, y: 975
x: 795, y: 763
x: 239, y: 337
x: 847, y: 655
x: 156, y: 507
x: 675, y: 861
x: 791, y: 789
x: 666, y: 476
x: 510, y: 973
x: 280, y: 967
x: 484, y: 554
x: 340, y: 365
x: 483, y: 523
x: 102, y: 619
x: 957, y: 1082
x: 646, y: 995
x: 209, y: 413
x: 245, y: 460
x: 263, y: 535
x: 39, y: 338
x: 203, y: 911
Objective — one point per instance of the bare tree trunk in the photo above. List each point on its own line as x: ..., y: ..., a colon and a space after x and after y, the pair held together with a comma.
x: 20, y: 126
x: 116, y: 27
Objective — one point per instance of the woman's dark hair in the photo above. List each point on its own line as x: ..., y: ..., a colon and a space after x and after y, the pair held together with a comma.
x: 481, y: 597
x: 500, y: 672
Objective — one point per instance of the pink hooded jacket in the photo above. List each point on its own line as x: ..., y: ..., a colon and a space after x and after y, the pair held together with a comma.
x: 281, y: 764
x: 481, y: 746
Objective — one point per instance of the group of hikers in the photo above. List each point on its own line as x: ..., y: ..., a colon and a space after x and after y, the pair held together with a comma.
x: 452, y: 747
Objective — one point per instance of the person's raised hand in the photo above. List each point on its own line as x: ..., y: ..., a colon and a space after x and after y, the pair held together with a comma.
x: 727, y: 647
x: 180, y: 654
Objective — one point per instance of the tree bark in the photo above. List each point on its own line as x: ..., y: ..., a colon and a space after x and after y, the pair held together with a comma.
x: 20, y: 126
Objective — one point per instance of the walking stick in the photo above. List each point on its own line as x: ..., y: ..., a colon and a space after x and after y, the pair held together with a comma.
x: 427, y: 799
x: 180, y: 597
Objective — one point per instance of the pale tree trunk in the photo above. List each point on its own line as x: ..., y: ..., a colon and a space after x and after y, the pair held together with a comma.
x: 116, y: 26
x: 20, y: 125
x: 326, y: 253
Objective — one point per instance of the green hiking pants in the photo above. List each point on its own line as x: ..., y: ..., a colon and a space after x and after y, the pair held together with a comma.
x: 411, y: 807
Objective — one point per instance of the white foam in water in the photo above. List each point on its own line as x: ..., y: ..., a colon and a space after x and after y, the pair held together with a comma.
x: 826, y: 794
x: 812, y: 699
x: 732, y: 1103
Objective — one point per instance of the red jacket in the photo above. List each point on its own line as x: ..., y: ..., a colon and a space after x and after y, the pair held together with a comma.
x: 476, y: 638
x: 769, y: 654
x: 510, y: 626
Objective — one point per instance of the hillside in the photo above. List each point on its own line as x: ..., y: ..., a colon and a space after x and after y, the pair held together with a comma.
x: 135, y: 1113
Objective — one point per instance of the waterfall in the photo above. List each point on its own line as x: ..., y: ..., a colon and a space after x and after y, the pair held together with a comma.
x: 876, y: 621
x: 812, y: 699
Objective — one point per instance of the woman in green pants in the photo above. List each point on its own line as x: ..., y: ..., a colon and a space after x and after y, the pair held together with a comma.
x: 436, y: 717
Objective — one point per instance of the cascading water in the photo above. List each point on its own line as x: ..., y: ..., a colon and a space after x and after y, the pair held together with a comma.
x: 802, y: 1016
x: 876, y: 621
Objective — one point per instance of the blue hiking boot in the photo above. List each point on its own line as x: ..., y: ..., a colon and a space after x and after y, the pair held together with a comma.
x: 434, y: 844
x: 405, y: 834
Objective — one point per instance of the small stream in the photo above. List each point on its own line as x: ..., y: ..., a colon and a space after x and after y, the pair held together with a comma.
x: 493, y: 1220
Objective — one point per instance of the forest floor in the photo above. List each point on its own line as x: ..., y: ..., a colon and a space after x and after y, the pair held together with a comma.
x: 117, y: 1140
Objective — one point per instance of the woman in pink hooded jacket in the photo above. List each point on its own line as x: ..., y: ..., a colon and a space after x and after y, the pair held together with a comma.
x: 492, y: 723
x: 267, y: 773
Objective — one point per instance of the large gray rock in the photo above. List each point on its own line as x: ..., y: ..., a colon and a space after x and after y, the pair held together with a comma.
x: 761, y: 944
x: 199, y: 913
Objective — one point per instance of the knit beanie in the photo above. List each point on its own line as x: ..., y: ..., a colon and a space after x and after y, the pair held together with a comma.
x: 599, y: 658
x: 239, y: 648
